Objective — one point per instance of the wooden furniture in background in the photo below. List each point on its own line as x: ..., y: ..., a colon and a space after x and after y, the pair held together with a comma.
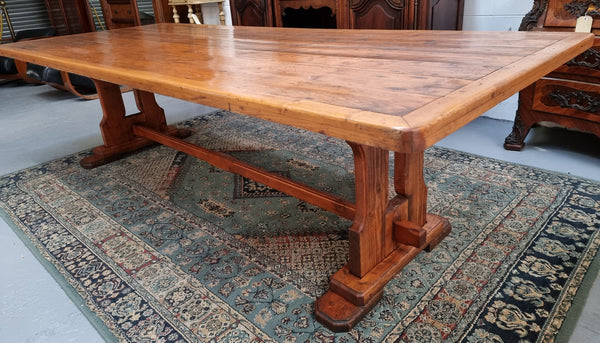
x: 163, y: 11
x: 354, y: 14
x: 380, y: 90
x: 195, y: 8
x: 252, y: 12
x: 9, y: 68
x: 120, y: 13
x: 67, y: 17
x: 70, y: 16
x: 75, y: 16
x: 570, y: 94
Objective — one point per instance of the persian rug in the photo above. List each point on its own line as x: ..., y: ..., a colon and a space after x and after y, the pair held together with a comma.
x: 162, y: 247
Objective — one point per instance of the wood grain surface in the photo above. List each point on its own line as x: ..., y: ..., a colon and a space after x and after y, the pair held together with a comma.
x: 397, y: 90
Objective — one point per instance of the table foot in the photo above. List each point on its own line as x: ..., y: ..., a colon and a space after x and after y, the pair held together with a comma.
x: 350, y: 298
x: 443, y: 225
x: 340, y: 315
x: 102, y: 154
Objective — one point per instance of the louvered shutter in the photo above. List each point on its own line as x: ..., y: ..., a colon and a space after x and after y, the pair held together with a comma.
x: 25, y: 14
x: 146, y: 6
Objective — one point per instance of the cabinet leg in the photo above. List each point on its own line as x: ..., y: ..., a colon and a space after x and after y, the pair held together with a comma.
x: 516, y: 139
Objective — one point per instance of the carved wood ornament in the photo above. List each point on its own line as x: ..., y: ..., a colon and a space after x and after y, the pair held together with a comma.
x: 578, y: 8
x: 243, y: 5
x: 589, y: 59
x: 361, y: 5
x: 570, y: 95
x: 531, y: 19
x: 574, y: 8
x: 567, y: 97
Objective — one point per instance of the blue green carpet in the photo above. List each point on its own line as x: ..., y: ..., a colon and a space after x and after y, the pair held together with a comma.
x: 161, y: 247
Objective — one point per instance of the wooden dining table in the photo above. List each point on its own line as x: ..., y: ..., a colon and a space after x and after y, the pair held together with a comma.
x: 380, y: 91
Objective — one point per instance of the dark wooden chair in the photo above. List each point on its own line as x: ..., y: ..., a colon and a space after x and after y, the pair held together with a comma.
x: 120, y: 13
x: 9, y: 68
x: 16, y: 70
x: 116, y: 13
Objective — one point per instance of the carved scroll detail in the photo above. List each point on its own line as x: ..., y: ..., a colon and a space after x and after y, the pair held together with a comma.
x: 578, y: 8
x: 589, y: 59
x: 576, y: 99
x: 531, y: 19
x: 358, y: 5
x: 255, y: 6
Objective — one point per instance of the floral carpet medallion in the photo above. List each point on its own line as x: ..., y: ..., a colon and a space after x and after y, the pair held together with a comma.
x: 165, y: 248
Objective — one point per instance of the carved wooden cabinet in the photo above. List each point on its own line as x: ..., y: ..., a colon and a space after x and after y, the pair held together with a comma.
x: 570, y: 95
x: 354, y: 14
x: 402, y: 14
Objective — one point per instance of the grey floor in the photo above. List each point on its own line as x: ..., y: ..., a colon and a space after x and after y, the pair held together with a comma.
x: 39, y: 123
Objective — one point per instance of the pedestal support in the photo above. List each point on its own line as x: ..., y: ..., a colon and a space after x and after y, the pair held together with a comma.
x: 385, y: 236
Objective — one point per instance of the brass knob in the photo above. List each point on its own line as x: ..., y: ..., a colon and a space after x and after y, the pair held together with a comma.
x: 2, y: 3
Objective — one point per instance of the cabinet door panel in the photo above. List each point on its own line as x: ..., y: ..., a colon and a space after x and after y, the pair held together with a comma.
x: 442, y: 15
x: 585, y: 67
x: 358, y: 14
x: 378, y: 14
x: 251, y: 12
x: 570, y: 98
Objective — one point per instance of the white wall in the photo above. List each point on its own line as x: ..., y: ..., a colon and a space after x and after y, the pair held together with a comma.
x: 502, y: 15
x: 210, y: 13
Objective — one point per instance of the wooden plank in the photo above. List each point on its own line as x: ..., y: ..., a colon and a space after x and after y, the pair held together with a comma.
x: 229, y: 163
x: 389, y: 84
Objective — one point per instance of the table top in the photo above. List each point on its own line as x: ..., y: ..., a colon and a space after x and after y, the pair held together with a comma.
x: 397, y: 90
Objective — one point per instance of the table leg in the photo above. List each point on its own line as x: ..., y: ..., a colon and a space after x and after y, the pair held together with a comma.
x: 385, y: 236
x: 409, y: 183
x: 117, y: 127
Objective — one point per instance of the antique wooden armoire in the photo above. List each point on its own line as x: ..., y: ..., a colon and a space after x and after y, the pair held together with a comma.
x: 353, y: 14
x: 570, y: 95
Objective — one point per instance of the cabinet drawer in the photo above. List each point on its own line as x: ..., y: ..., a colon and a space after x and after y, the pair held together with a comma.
x: 585, y: 67
x: 572, y: 98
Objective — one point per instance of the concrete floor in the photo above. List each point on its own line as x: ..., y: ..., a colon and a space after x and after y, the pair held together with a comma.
x: 38, y: 124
